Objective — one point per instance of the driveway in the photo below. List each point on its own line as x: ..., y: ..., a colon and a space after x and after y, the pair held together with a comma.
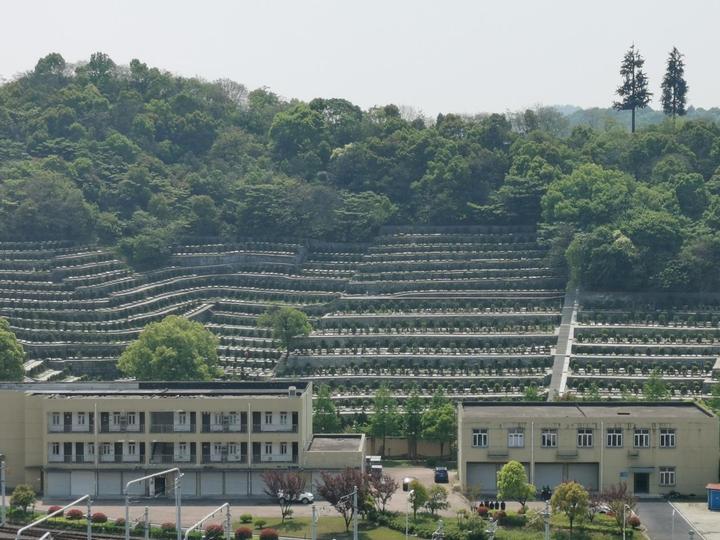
x: 657, y: 517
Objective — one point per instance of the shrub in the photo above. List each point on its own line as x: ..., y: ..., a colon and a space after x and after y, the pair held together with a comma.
x: 168, y: 527
x: 74, y: 513
x: 260, y: 523
x: 269, y: 534
x: 482, y: 511
x: 120, y: 522
x: 246, y: 518
x: 634, y: 522
x: 22, y: 497
x: 243, y: 533
x: 99, y: 517
x: 214, y: 531
x: 500, y: 514
x: 512, y: 520
x: 52, y: 509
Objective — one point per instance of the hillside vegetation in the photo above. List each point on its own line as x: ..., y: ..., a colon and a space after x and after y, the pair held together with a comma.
x: 136, y: 157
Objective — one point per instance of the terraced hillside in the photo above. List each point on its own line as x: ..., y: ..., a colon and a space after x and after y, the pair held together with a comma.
x: 621, y: 339
x: 476, y: 308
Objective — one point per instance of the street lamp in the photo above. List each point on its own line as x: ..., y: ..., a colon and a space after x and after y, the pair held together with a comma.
x: 625, y: 507
x: 546, y: 518
x: 411, y: 496
x: 2, y: 489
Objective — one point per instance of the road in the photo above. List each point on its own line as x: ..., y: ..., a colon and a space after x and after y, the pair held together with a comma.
x: 657, y: 517
x: 561, y: 363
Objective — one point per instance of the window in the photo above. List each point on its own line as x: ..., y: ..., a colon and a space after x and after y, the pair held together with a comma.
x: 268, y: 418
x: 182, y: 418
x: 614, y: 438
x: 90, y: 449
x: 667, y: 476
x: 56, y: 419
x: 233, y: 418
x: 132, y: 448
x: 480, y: 438
x: 641, y: 438
x: 283, y: 418
x: 548, y: 438
x: 217, y: 418
x: 283, y: 448
x: 585, y: 437
x: 117, y: 418
x: 667, y: 438
x: 106, y: 449
x: 268, y: 448
x: 55, y: 449
x: 232, y: 448
x: 217, y: 448
x: 182, y: 448
x: 81, y: 418
x: 131, y: 419
x: 516, y: 438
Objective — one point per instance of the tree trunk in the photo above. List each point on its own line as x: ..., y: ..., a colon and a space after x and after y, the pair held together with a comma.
x: 633, y: 120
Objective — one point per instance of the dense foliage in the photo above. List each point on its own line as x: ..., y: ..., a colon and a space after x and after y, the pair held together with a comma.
x: 136, y: 157
x: 12, y: 354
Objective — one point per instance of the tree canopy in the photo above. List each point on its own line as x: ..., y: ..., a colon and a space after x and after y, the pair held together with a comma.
x: 287, y: 323
x: 174, y: 349
x: 12, y: 354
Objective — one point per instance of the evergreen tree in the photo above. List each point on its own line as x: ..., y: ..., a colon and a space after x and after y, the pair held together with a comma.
x: 325, y: 417
x: 674, y: 86
x: 412, y: 425
x: 633, y: 91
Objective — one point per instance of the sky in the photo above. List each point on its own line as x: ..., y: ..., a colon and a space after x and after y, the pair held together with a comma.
x: 435, y: 56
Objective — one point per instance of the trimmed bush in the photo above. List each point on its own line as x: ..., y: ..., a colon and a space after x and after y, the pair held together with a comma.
x: 99, y: 517
x: 214, y: 531
x: 260, y: 523
x: 120, y: 522
x: 246, y: 518
x: 74, y: 513
x: 243, y: 533
x: 634, y: 522
x: 269, y: 534
x: 483, y: 511
x: 52, y: 509
x: 168, y: 527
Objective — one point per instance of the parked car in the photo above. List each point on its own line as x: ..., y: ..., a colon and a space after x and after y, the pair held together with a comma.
x: 305, y: 497
x: 441, y: 475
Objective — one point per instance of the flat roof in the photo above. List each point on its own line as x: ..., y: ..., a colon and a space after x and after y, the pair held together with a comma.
x: 336, y: 443
x: 580, y: 409
x: 158, y: 389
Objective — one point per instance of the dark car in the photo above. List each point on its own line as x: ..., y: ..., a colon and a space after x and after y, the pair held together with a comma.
x: 441, y: 475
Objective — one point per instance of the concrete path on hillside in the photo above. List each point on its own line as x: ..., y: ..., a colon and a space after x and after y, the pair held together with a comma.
x: 561, y: 362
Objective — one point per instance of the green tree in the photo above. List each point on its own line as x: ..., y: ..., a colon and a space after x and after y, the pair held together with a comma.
x: 12, y: 354
x: 287, y: 324
x: 512, y: 483
x: 573, y: 500
x: 437, y: 499
x: 174, y: 349
x: 325, y: 416
x: 633, y: 91
x: 418, y: 497
x: 655, y: 388
x: 412, y: 419
x: 439, y: 424
x: 674, y: 86
x: 385, y: 419
x: 22, y: 497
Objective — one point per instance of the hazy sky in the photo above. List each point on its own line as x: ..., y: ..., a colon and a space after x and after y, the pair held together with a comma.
x: 445, y: 55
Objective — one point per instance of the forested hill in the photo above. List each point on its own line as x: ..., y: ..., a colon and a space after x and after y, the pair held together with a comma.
x: 134, y: 156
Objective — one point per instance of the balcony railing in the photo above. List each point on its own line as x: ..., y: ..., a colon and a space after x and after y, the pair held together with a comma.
x: 274, y: 458
x: 129, y: 428
x: 224, y: 428
x: 69, y: 428
x: 278, y: 428
x: 172, y: 428
x: 122, y: 458
x: 230, y: 458
x: 172, y: 458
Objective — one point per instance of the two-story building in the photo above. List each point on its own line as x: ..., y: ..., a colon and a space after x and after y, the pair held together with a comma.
x: 76, y: 438
x: 654, y: 448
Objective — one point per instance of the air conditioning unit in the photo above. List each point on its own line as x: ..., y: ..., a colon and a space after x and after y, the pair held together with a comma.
x: 292, y: 391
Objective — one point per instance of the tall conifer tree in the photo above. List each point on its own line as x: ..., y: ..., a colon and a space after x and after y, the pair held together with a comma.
x: 633, y: 91
x: 674, y: 86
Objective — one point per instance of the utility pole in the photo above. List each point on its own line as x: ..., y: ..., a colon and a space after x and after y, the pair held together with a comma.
x: 2, y: 489
x: 89, y: 519
x: 147, y: 523
x: 178, y: 504
x: 313, y: 524
x: 355, y: 513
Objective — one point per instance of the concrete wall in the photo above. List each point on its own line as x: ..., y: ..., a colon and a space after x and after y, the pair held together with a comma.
x: 397, y: 447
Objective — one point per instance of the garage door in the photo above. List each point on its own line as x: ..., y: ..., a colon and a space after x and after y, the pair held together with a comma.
x: 211, y: 483
x: 109, y: 484
x: 189, y: 484
x: 483, y: 476
x: 82, y: 483
x: 548, y: 474
x: 257, y: 485
x: 58, y: 484
x: 585, y: 474
x: 139, y: 488
x: 236, y: 483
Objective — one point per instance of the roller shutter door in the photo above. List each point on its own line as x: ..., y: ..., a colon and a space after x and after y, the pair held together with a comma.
x: 548, y: 474
x: 585, y: 474
x: 109, y: 484
x: 58, y: 484
x: 82, y: 483
x: 211, y: 483
x: 483, y: 476
x: 236, y: 483
x: 140, y: 488
x: 257, y: 486
x: 189, y: 484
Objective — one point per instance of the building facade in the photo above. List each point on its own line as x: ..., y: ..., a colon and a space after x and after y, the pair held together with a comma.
x: 78, y: 438
x: 655, y: 448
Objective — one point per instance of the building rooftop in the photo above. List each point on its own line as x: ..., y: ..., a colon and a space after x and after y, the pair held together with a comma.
x: 158, y: 389
x: 569, y: 409
x: 336, y: 443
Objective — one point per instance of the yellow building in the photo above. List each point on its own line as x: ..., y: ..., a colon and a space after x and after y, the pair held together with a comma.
x: 77, y: 438
x: 654, y: 448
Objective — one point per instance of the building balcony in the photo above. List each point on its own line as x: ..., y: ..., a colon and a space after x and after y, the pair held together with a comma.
x: 69, y: 428
x: 122, y: 458
x: 89, y: 459
x: 275, y: 428
x: 172, y: 428
x: 274, y: 458
x: 172, y: 458
x: 230, y: 458
x: 224, y: 428
x: 120, y: 428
